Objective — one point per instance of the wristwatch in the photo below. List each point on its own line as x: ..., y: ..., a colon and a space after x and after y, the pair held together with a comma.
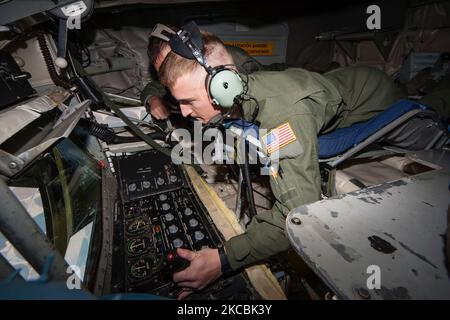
x: 225, y: 264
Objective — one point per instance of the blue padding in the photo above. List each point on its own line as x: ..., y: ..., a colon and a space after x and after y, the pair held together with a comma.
x: 340, y: 140
x: 247, y: 127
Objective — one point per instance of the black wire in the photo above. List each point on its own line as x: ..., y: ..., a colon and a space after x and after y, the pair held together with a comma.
x: 121, y: 90
x: 246, y: 97
x: 254, y: 190
x: 245, y: 168
x: 145, y: 116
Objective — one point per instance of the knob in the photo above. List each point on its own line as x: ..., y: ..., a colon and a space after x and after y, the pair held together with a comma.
x: 177, y: 243
x: 198, y: 235
x: 173, y: 178
x: 193, y: 223
x: 146, y: 184
x: 173, y: 229
x: 188, y: 211
x: 163, y: 197
x: 160, y: 181
x: 132, y: 187
x: 169, y: 217
x: 165, y: 206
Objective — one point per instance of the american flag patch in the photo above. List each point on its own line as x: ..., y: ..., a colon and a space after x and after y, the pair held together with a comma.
x: 279, y: 137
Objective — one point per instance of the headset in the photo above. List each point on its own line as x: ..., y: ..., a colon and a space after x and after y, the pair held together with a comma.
x: 223, y: 84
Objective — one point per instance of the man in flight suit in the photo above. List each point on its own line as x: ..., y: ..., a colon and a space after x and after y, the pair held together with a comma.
x: 155, y: 96
x: 301, y: 103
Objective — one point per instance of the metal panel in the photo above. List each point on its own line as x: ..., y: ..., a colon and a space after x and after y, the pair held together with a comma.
x: 398, y: 226
x: 15, y: 10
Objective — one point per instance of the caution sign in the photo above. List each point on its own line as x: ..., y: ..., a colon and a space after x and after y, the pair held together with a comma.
x: 254, y: 48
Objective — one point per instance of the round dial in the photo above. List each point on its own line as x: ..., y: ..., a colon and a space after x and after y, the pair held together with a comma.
x: 173, y: 178
x: 132, y: 187
x: 165, y: 206
x: 140, y: 269
x: 138, y: 245
x: 160, y: 181
x: 137, y: 226
x: 163, y: 197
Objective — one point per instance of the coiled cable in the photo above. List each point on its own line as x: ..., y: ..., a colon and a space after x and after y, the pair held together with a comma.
x: 49, y: 62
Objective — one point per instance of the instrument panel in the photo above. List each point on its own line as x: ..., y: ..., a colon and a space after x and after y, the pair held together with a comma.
x: 158, y: 213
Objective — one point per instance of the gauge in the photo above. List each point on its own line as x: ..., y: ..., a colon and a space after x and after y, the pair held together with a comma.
x: 138, y: 245
x: 137, y: 226
x: 140, y: 269
x: 193, y: 223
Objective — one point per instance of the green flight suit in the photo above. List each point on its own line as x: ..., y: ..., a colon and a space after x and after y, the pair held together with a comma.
x: 245, y: 64
x: 439, y: 98
x: 311, y: 104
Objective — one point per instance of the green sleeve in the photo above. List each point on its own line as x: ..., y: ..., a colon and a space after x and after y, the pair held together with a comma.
x: 153, y: 88
x: 244, y: 61
x: 298, y: 184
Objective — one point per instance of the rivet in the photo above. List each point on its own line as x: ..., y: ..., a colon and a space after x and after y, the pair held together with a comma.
x: 296, y: 221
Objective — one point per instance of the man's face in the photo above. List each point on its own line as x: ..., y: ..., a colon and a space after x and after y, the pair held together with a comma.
x: 191, y: 93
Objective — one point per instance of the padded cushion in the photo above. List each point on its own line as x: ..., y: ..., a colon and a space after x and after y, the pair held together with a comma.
x: 340, y: 140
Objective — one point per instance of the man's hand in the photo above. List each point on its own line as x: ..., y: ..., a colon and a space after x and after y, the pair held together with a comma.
x: 157, y: 108
x: 204, y: 268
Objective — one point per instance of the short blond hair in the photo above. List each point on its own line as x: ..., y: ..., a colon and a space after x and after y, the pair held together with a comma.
x: 174, y: 66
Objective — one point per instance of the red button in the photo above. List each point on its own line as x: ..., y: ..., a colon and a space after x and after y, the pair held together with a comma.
x: 101, y: 164
x: 170, y: 256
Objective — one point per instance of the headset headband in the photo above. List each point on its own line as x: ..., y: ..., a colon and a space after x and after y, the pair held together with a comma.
x: 162, y: 32
x: 223, y: 85
x: 188, y: 43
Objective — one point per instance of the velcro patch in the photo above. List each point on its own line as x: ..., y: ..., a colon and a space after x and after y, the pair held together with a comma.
x: 279, y: 137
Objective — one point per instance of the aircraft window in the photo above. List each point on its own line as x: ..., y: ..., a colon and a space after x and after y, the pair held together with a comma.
x: 70, y: 186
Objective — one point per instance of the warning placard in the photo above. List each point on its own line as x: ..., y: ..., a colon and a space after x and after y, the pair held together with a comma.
x: 254, y: 48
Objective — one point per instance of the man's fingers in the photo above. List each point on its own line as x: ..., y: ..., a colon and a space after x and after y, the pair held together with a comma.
x: 159, y: 115
x: 185, y: 275
x: 188, y: 285
x: 156, y: 115
x: 186, y: 254
x: 184, y: 294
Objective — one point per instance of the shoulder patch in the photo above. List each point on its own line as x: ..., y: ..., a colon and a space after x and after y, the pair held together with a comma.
x: 279, y: 137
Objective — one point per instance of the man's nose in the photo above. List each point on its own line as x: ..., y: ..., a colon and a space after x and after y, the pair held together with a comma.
x: 185, y: 110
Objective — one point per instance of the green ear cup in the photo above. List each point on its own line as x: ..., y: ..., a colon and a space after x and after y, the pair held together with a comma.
x: 224, y: 86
